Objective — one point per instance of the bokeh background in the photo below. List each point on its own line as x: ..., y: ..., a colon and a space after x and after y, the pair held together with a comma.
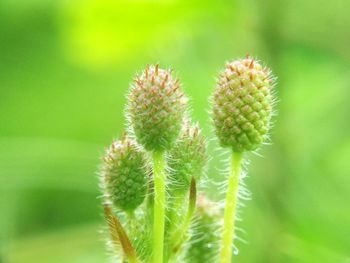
x: 65, y: 67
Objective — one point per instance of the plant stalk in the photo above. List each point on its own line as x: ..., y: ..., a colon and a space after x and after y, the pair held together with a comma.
x: 181, y: 234
x: 230, y: 208
x: 159, y: 206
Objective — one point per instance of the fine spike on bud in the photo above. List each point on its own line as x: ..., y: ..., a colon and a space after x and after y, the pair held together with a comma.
x: 188, y: 158
x: 124, y: 174
x: 242, y: 105
x: 156, y: 107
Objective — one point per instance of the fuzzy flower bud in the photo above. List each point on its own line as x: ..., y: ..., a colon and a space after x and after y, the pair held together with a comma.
x: 124, y: 174
x: 156, y: 107
x: 188, y: 158
x: 242, y: 105
x: 204, y: 241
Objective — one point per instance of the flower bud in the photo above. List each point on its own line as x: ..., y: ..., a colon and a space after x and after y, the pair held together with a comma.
x: 187, y: 158
x: 242, y: 105
x: 156, y: 107
x: 124, y: 172
x: 204, y: 241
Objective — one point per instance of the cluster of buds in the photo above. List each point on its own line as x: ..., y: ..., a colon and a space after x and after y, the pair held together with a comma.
x: 149, y: 177
x: 158, y: 123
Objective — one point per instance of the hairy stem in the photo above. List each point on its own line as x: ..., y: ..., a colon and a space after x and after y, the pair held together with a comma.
x: 159, y: 206
x: 230, y: 208
x: 181, y: 234
x: 173, y: 222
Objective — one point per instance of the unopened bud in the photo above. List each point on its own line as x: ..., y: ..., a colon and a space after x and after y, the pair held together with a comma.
x: 156, y: 107
x: 242, y: 105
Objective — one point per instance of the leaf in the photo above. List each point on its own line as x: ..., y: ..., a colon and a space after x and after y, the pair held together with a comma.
x: 119, y: 235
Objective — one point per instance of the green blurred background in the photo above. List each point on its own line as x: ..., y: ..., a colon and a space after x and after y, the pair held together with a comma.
x: 65, y: 67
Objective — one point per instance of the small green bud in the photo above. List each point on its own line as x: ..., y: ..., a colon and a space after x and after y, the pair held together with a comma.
x: 204, y: 241
x: 156, y: 107
x: 124, y: 172
x: 187, y: 158
x: 242, y: 105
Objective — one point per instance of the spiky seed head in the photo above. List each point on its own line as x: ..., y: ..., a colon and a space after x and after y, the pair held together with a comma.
x: 204, y: 241
x: 242, y: 105
x: 156, y: 107
x: 187, y: 158
x: 124, y: 174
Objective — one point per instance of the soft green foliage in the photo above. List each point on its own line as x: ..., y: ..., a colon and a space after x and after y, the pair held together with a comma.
x: 242, y: 105
x: 156, y: 107
x: 124, y: 174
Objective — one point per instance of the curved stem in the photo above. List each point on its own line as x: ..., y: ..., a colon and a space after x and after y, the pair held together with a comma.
x: 230, y: 208
x: 159, y: 206
x: 119, y: 235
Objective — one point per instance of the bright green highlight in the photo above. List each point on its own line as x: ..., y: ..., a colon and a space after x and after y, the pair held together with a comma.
x: 230, y: 208
x: 159, y: 206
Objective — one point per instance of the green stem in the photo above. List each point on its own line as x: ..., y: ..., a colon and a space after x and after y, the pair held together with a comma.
x: 230, y: 208
x: 159, y: 206
x: 131, y: 221
x: 175, y: 212
x: 181, y: 234
x: 175, y: 206
x: 150, y: 206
